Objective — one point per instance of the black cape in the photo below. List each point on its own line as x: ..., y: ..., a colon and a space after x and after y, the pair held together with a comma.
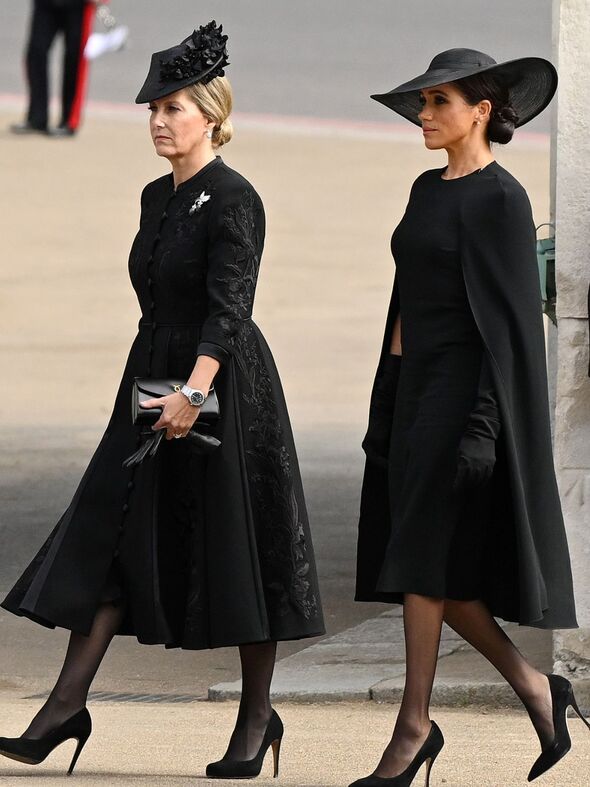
x: 529, y: 578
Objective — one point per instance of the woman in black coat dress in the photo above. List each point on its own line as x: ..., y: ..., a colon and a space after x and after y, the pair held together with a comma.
x: 460, y: 514
x: 187, y: 549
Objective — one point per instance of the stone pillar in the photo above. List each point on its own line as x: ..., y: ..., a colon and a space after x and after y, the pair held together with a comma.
x: 571, y: 208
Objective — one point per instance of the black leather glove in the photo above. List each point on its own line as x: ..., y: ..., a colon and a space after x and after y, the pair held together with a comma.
x: 376, y: 441
x: 477, y: 449
x: 200, y: 442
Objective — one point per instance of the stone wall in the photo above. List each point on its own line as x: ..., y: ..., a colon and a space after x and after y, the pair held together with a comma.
x: 571, y: 197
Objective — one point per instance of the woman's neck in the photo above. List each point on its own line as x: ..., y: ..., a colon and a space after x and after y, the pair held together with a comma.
x: 466, y: 159
x: 187, y: 166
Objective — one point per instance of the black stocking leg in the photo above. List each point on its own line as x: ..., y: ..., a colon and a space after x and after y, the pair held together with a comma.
x: 258, y: 663
x: 82, y: 661
x: 472, y: 621
x: 422, y: 626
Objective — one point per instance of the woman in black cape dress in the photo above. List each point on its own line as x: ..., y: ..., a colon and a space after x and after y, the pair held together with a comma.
x: 460, y: 515
x: 187, y: 549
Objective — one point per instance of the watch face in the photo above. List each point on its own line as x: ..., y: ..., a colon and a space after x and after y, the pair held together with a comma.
x: 197, y: 398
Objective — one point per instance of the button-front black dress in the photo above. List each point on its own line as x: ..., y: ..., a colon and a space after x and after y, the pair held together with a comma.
x: 206, y: 552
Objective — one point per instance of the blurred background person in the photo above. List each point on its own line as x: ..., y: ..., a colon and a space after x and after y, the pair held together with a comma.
x: 74, y: 19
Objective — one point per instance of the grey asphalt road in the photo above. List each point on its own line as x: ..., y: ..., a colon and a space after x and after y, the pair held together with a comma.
x: 307, y: 57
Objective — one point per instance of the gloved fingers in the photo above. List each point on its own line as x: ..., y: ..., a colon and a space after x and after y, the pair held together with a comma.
x: 462, y: 475
x: 156, y: 440
x: 202, y: 443
x: 472, y: 474
x: 139, y: 455
x: 377, y: 438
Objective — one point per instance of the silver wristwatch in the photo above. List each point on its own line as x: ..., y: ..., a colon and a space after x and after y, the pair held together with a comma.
x: 195, y: 397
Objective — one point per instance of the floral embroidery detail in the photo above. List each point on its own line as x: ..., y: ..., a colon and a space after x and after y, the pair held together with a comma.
x: 239, y: 222
x: 282, y: 530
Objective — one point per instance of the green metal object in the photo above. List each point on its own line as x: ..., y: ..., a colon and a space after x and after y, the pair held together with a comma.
x: 546, y: 263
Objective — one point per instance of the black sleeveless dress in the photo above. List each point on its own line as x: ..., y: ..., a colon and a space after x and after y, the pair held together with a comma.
x: 437, y: 535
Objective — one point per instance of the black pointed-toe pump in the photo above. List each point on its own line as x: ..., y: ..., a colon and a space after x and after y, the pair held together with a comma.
x: 428, y: 753
x: 562, y: 695
x: 32, y: 751
x: 247, y: 769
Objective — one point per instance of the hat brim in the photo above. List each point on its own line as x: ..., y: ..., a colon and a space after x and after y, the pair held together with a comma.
x: 154, y: 88
x: 532, y: 82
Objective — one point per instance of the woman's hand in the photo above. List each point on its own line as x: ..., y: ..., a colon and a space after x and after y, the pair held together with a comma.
x: 376, y: 440
x: 475, y: 461
x: 178, y: 415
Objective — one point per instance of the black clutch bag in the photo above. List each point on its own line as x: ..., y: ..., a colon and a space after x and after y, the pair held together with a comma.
x: 145, y: 388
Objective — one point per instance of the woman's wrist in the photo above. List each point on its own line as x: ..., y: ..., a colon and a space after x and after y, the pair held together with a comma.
x: 203, y: 373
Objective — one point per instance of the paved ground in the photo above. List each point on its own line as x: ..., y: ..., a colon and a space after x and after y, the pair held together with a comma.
x: 67, y: 316
x: 324, y: 746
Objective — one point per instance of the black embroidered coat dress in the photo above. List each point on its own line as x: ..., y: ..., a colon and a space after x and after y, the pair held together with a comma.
x: 206, y: 551
x: 467, y: 289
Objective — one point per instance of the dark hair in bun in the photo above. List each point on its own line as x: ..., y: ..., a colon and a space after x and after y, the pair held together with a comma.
x: 490, y: 87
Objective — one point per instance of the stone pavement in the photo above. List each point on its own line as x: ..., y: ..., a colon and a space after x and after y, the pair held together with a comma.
x: 366, y: 662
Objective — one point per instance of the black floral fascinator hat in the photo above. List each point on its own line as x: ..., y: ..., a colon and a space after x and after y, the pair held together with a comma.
x: 199, y: 58
x: 531, y: 82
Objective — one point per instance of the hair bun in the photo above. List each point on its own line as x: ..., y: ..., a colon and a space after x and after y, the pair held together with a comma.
x: 223, y: 133
x: 502, y: 123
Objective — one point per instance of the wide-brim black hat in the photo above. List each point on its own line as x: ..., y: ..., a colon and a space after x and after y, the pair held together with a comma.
x: 199, y: 58
x: 531, y: 82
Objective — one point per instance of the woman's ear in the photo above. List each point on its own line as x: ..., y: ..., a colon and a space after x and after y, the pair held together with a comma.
x: 484, y: 109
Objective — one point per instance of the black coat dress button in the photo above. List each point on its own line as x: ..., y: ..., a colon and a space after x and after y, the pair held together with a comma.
x: 125, y: 508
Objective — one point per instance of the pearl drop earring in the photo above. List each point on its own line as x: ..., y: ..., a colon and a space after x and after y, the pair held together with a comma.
x: 209, y: 135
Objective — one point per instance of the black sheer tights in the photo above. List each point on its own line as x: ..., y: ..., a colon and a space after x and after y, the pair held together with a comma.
x: 83, y: 658
x: 423, y: 617
x: 258, y: 663
x: 473, y: 621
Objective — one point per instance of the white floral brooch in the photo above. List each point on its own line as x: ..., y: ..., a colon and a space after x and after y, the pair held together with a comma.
x: 199, y: 202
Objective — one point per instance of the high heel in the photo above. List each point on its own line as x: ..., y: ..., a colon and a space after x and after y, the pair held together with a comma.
x: 32, y: 751
x: 562, y: 696
x: 428, y: 753
x: 247, y: 769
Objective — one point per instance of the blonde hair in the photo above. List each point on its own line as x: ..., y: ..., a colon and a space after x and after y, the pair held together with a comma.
x: 215, y: 102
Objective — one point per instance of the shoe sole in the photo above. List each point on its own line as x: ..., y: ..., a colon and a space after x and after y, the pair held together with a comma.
x: 18, y: 758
